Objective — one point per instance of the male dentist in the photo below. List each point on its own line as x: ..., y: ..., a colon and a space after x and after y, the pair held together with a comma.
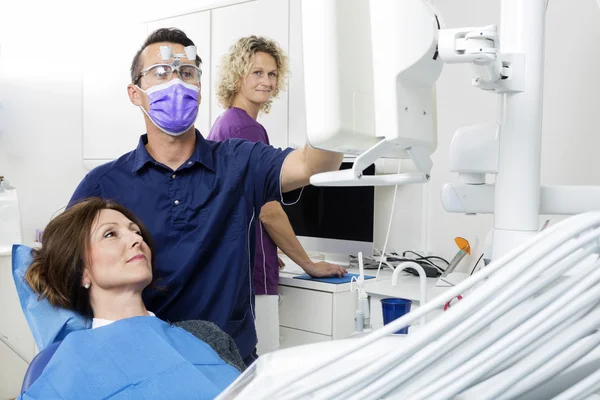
x: 199, y: 199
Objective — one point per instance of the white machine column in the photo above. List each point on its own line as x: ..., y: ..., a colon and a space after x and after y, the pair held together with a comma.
x: 517, y: 196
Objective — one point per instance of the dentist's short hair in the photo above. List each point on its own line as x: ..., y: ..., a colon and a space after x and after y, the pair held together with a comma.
x: 170, y: 35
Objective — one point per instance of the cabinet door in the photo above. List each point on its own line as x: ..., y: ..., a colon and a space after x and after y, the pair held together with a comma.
x: 197, y: 27
x: 297, y: 117
x: 111, y: 124
x: 307, y: 310
x: 295, y: 337
x: 261, y: 18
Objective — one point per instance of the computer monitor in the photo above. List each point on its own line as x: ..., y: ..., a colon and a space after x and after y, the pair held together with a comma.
x: 335, y: 221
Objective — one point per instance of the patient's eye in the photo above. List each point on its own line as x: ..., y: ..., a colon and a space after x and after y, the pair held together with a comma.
x: 109, y: 234
x: 135, y: 229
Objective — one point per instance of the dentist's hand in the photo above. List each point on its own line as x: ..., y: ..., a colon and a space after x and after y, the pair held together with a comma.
x: 324, y: 270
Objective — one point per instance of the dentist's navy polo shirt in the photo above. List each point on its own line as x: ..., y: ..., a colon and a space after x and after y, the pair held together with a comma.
x: 201, y: 218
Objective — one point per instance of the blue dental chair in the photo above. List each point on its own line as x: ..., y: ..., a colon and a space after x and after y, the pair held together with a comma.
x: 48, y: 324
x: 38, y: 364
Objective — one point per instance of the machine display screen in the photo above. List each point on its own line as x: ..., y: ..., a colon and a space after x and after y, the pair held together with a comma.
x: 343, y: 213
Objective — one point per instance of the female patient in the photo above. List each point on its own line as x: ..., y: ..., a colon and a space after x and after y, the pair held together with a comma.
x: 96, y: 260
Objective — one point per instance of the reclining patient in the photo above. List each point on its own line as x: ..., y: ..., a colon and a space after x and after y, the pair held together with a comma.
x: 96, y: 260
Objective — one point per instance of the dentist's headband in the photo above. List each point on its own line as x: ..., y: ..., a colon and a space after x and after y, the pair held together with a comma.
x: 166, y: 52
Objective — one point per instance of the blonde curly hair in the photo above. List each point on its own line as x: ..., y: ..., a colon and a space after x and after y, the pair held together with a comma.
x: 236, y: 64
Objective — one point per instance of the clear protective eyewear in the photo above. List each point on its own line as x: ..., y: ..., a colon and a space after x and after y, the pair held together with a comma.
x: 162, y: 73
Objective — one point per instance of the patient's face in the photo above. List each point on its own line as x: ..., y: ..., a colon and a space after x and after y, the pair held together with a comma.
x: 118, y: 257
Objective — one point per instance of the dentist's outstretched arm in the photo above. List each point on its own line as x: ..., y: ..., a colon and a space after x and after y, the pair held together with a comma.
x: 301, y: 164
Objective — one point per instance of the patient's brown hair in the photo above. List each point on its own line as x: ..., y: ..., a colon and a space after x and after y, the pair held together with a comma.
x: 57, y: 268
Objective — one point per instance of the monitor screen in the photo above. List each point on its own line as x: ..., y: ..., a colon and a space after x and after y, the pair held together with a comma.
x: 339, y: 213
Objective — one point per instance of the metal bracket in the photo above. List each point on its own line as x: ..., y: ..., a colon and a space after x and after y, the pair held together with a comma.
x: 512, y: 75
x: 468, y: 45
x: 354, y: 177
x: 500, y: 73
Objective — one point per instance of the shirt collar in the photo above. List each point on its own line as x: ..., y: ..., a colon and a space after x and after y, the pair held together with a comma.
x: 99, y: 322
x: 202, y: 153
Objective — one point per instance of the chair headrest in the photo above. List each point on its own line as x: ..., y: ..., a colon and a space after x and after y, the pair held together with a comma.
x: 47, y: 322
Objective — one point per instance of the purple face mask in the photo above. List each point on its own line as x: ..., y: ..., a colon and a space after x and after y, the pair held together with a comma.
x: 173, y: 106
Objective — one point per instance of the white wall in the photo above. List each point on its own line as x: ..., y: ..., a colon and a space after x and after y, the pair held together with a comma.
x: 40, y: 115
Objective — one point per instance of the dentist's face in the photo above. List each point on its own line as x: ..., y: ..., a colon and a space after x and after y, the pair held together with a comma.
x: 151, y: 56
x: 257, y: 87
x: 118, y: 258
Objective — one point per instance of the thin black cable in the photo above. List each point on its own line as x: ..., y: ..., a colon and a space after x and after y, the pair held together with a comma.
x: 419, y: 258
x: 420, y: 261
x: 412, y: 252
x: 479, y: 259
x: 437, y: 258
x: 429, y: 262
x: 426, y: 259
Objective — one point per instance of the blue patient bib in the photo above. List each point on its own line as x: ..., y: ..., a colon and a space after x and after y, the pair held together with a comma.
x: 133, y: 358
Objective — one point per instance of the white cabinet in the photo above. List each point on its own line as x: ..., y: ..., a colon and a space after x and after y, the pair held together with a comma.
x: 408, y: 287
x: 311, y: 312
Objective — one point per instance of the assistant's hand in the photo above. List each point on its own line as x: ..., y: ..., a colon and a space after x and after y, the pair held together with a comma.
x: 280, y: 263
x: 324, y: 270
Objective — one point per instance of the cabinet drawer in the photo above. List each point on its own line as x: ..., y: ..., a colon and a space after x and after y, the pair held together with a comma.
x: 307, y: 310
x: 293, y: 337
